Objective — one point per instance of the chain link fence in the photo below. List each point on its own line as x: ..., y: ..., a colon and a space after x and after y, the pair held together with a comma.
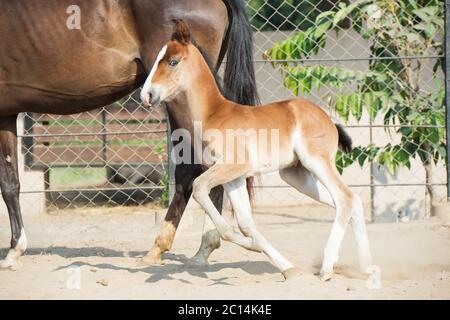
x: 376, y: 65
x: 115, y: 155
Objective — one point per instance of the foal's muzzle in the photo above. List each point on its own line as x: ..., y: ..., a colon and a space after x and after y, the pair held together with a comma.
x: 151, y: 98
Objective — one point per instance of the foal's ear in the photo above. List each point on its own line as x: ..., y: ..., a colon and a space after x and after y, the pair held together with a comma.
x: 181, y: 32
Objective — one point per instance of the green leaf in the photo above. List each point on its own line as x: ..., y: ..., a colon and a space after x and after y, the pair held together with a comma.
x: 346, y: 10
x: 342, y: 106
x: 430, y: 31
x: 359, y: 155
x: 323, y: 15
x: 433, y: 136
x: 307, y: 85
x: 442, y: 151
x: 339, y: 162
x: 355, y: 103
x: 321, y: 29
x: 401, y: 156
x: 406, y: 131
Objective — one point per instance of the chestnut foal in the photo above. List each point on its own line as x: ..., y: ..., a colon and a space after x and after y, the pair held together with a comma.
x: 304, y: 154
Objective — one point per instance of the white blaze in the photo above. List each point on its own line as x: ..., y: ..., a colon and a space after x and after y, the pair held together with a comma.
x: 148, y: 82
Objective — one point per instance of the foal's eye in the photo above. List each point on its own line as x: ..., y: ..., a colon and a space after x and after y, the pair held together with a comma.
x: 173, y: 63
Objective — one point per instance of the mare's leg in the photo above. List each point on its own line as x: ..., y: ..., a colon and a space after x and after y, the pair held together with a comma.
x: 238, y: 195
x: 10, y: 188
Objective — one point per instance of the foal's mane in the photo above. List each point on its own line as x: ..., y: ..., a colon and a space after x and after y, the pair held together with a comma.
x: 213, y: 69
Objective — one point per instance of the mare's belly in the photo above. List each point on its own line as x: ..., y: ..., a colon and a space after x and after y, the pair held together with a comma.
x: 47, y: 67
x: 76, y: 92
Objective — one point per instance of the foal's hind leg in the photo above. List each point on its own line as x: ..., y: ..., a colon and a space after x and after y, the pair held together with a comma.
x: 10, y: 188
x: 301, y: 179
x: 348, y: 206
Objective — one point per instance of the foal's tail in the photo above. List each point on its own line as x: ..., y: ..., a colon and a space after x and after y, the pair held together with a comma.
x: 239, y: 77
x: 345, y: 141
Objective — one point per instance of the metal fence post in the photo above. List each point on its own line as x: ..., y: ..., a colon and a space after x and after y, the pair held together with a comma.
x: 171, y: 164
x: 447, y: 89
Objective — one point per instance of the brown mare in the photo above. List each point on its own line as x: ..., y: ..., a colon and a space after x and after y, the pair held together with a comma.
x: 45, y: 67
x: 303, y: 151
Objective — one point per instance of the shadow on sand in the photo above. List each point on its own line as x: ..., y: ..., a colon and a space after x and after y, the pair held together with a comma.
x: 173, y: 265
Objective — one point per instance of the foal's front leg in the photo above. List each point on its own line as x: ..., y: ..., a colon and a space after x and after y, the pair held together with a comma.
x: 210, y: 237
x: 238, y: 195
x: 218, y: 175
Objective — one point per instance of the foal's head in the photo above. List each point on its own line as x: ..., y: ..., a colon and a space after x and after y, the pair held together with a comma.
x: 174, y: 68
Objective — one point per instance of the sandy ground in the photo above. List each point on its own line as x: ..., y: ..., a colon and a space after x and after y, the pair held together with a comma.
x: 100, y: 247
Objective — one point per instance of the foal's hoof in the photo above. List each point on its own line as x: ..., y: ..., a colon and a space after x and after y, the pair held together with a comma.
x: 10, y: 264
x: 149, y: 260
x: 292, y: 273
x: 326, y: 275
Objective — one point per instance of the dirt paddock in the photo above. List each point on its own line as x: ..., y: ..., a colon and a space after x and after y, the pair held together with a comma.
x: 97, y: 250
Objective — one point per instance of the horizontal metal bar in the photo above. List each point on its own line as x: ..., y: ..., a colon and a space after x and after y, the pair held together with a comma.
x: 394, y: 126
x: 397, y: 185
x: 349, y: 59
x: 165, y: 131
x: 258, y: 187
x: 89, y: 134
x: 92, y: 190
x: 95, y: 165
x: 345, y: 59
x: 369, y: 185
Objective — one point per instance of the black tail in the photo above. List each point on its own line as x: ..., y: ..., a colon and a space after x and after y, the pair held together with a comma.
x: 239, y: 78
x: 345, y: 141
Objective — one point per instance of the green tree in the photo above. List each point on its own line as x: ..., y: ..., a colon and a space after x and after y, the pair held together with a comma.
x: 392, y: 86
